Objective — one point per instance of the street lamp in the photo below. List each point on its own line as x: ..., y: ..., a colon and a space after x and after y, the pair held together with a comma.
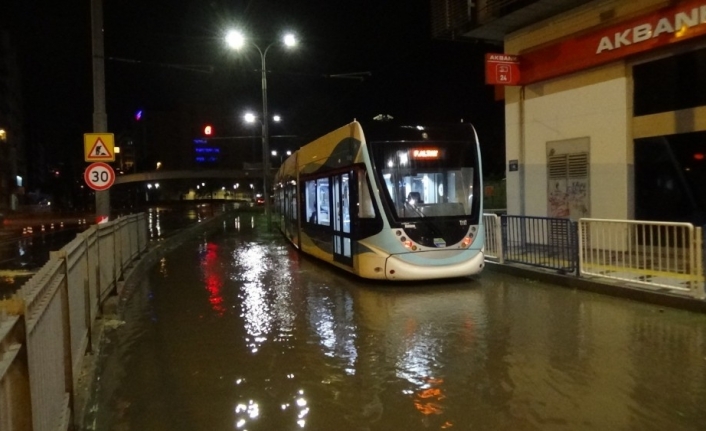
x: 237, y: 40
x: 249, y: 117
x: 281, y: 155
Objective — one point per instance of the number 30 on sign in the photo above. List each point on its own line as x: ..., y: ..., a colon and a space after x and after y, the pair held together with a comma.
x: 99, y: 176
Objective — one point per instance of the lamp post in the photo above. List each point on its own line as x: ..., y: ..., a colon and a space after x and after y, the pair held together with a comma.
x: 281, y: 156
x: 237, y: 40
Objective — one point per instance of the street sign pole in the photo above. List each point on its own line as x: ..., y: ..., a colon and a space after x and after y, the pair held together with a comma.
x: 100, y: 118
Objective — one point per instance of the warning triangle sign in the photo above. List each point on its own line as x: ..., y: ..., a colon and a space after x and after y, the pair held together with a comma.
x: 100, y: 151
x: 99, y: 147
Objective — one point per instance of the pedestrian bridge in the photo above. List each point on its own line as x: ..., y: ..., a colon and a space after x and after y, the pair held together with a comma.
x: 161, y: 175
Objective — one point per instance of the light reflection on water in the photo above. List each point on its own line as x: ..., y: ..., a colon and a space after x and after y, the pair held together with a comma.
x: 261, y: 338
x: 154, y: 225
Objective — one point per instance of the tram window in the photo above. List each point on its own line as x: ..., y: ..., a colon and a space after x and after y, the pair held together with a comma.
x: 365, y: 202
x: 323, y: 202
x: 292, y: 194
x: 317, y: 201
x: 310, y: 200
x: 443, y: 192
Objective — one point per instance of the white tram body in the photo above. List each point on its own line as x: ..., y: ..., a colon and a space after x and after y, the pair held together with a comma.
x: 389, y: 202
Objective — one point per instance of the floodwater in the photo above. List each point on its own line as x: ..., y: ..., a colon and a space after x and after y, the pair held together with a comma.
x: 23, y: 253
x: 236, y: 331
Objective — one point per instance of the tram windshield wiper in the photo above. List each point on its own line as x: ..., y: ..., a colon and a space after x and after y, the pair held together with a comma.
x: 415, y: 209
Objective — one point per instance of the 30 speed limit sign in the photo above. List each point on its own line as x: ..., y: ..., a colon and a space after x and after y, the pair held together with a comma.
x: 99, y: 176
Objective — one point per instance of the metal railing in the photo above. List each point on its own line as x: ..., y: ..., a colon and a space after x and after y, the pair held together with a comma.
x: 493, y: 237
x: 540, y: 241
x: 658, y: 254
x: 43, y: 346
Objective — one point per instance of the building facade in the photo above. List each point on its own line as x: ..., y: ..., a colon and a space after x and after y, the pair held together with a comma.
x: 608, y: 119
x: 12, y: 162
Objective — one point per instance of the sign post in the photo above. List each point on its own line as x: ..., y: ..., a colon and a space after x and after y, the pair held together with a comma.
x: 100, y: 118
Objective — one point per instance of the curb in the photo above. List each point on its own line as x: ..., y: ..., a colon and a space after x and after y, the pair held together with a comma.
x: 618, y: 289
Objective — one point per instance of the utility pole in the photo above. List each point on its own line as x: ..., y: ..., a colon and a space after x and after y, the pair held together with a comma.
x: 100, y: 118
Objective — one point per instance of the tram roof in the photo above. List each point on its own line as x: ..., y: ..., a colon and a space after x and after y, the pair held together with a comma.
x: 393, y: 130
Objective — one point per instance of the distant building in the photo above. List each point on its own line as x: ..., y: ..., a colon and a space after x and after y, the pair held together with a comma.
x: 608, y: 118
x: 12, y: 162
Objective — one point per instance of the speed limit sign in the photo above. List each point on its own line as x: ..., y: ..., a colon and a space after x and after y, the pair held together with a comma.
x: 99, y: 176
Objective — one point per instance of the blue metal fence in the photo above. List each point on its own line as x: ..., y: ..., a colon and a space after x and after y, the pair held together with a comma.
x: 550, y: 243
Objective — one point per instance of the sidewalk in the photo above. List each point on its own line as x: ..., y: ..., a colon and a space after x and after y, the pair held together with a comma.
x: 619, y: 289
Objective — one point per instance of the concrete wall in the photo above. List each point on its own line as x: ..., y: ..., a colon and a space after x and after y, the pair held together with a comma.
x: 593, y: 105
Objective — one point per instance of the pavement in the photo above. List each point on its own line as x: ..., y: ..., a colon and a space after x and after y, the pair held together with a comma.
x: 615, y: 288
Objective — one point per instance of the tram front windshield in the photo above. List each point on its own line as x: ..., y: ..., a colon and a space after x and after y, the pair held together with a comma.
x: 426, y: 180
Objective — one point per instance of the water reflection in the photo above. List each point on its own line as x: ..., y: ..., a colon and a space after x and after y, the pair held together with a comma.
x: 154, y: 225
x: 212, y: 276
x: 332, y: 319
x: 262, y: 337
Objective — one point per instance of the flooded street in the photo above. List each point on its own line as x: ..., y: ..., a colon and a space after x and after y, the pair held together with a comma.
x: 26, y: 244
x: 237, y: 331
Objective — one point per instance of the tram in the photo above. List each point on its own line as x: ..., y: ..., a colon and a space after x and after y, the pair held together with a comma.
x: 386, y: 201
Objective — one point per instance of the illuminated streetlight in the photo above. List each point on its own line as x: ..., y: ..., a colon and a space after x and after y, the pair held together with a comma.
x: 249, y: 117
x: 237, y: 40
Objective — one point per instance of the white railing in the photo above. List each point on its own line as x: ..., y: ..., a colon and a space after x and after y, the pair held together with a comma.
x: 493, y: 237
x: 656, y: 254
x: 14, y: 381
x: 42, y: 348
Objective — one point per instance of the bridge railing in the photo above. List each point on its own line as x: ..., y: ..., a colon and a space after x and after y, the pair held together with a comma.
x: 43, y: 344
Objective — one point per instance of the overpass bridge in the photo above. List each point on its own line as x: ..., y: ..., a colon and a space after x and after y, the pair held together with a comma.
x: 165, y: 185
x: 164, y: 175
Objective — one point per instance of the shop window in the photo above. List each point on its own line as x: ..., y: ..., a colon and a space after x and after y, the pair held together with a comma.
x: 670, y: 84
x: 670, y: 173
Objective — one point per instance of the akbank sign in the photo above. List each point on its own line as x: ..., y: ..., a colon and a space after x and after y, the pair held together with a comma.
x: 663, y: 27
x: 677, y: 24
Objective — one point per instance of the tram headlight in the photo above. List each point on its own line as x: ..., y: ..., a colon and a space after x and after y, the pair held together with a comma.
x: 407, y: 243
x: 466, y: 242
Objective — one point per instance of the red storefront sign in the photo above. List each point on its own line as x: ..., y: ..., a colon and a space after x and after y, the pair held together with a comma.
x: 501, y: 69
x: 668, y: 25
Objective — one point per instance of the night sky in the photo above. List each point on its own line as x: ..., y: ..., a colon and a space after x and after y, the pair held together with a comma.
x: 164, y: 55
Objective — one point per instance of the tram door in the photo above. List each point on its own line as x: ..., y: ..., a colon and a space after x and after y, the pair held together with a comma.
x: 342, y: 218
